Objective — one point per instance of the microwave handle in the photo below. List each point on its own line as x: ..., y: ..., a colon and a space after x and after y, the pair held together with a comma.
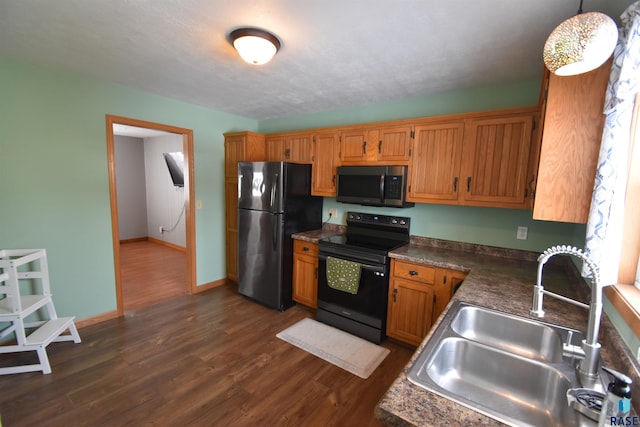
x: 381, y: 188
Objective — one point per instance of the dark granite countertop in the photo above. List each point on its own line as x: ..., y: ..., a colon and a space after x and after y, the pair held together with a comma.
x: 314, y: 236
x: 500, y: 279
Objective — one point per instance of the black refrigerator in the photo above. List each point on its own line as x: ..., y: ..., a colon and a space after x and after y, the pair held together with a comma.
x: 274, y: 202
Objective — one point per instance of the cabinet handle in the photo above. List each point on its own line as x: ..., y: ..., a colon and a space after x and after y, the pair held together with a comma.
x: 455, y: 184
x: 316, y: 273
x: 468, y: 184
x: 379, y: 146
x: 444, y: 279
x: 306, y: 249
x: 531, y: 192
x: 413, y: 273
x: 287, y: 153
x: 364, y: 147
x: 334, y: 180
x: 395, y: 292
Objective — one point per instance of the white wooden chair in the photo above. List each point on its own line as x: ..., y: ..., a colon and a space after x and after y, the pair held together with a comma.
x: 27, y: 311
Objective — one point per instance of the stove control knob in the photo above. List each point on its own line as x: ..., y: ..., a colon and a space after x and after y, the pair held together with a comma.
x: 351, y: 216
x: 394, y: 221
x: 403, y: 222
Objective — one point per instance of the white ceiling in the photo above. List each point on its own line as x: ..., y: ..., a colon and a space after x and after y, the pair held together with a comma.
x: 335, y: 53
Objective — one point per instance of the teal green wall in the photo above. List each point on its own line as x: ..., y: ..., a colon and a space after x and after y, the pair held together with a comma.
x: 54, y: 180
x: 485, y: 226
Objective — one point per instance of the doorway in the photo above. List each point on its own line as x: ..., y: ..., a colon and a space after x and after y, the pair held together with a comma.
x: 188, y: 213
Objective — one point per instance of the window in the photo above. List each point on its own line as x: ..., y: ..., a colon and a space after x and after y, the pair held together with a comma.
x: 625, y: 297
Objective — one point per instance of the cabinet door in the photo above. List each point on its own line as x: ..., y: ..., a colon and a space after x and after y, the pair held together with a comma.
x: 298, y: 148
x: 234, y: 149
x: 354, y: 147
x: 275, y: 148
x: 410, y: 310
x: 231, y: 200
x: 455, y: 279
x: 305, y: 273
x: 446, y: 283
x: 394, y: 143
x: 242, y: 146
x: 571, y: 137
x: 495, y: 161
x: 435, y: 163
x: 325, y: 155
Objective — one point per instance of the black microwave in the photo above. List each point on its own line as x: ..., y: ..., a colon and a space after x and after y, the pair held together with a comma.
x: 373, y: 185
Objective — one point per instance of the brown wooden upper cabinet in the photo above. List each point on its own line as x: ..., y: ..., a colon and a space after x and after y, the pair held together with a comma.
x: 496, y: 160
x: 289, y: 147
x: 373, y: 145
x: 242, y: 146
x: 481, y: 161
x: 435, y: 163
x: 571, y: 108
x: 325, y: 163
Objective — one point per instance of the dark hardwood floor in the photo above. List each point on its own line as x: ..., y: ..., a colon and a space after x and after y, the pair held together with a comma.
x: 210, y: 359
x: 151, y: 273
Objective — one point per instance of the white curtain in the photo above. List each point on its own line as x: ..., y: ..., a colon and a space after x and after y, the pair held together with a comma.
x: 604, y: 227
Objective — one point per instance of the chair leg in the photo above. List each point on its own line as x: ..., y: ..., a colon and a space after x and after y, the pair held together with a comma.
x: 74, y: 333
x: 44, y: 360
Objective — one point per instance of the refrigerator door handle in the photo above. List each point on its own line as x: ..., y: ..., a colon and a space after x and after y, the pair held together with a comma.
x: 275, y: 225
x: 274, y: 194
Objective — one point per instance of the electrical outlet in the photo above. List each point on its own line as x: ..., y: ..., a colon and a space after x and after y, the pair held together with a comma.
x: 333, y: 212
x: 522, y: 233
x: 161, y: 229
x: 198, y: 204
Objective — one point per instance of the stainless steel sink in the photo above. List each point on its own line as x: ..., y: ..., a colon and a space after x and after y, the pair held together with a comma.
x: 507, y: 367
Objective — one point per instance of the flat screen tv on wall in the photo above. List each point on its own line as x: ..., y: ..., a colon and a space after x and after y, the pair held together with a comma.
x: 175, y: 163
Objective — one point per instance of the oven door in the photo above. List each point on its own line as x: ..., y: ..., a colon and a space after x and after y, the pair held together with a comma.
x: 368, y: 307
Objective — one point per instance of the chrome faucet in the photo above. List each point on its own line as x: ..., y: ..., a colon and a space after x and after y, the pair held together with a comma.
x: 588, y: 367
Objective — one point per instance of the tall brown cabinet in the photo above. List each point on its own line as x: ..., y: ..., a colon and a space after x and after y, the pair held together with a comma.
x: 238, y: 147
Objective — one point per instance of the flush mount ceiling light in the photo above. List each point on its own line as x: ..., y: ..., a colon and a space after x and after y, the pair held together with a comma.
x: 254, y: 45
x: 580, y: 44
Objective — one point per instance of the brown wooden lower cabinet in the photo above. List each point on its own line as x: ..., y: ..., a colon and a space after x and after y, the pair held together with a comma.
x: 418, y: 294
x: 305, y: 273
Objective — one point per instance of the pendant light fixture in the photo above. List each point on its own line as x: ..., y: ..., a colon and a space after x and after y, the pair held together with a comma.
x: 580, y: 44
x: 254, y: 45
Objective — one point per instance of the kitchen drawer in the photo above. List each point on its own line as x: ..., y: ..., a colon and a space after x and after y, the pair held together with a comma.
x: 304, y: 247
x: 421, y: 273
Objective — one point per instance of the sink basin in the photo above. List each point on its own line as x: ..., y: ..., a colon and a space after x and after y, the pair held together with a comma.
x: 521, y: 336
x: 510, y: 368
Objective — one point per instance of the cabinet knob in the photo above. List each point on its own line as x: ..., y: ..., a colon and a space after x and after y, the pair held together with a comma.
x: 306, y: 249
x: 413, y: 273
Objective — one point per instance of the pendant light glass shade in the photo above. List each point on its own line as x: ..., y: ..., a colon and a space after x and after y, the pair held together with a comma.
x: 255, y: 46
x: 580, y: 44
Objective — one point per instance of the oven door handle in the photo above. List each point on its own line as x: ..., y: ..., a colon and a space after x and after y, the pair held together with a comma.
x: 368, y: 267
x: 382, y: 188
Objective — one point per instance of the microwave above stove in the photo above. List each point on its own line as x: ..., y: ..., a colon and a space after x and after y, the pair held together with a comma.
x: 373, y: 185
